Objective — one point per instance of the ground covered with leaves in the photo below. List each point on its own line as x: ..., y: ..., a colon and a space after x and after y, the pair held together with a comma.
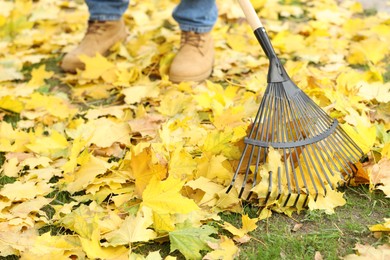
x: 116, y: 161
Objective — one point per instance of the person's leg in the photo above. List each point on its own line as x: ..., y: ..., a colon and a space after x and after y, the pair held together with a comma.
x: 105, y: 28
x: 196, y: 15
x: 195, y: 58
x: 106, y: 10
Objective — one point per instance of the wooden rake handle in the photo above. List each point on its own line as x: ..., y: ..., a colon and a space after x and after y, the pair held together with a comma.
x: 250, y: 14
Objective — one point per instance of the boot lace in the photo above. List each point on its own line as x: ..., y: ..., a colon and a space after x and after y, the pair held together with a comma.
x: 96, y: 27
x: 194, y: 39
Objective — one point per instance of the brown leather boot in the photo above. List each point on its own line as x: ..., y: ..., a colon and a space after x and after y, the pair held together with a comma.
x: 99, y: 38
x: 195, y: 58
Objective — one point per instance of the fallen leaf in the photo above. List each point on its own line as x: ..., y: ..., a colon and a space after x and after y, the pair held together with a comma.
x: 297, y: 227
x: 95, y: 66
x: 133, y: 229
x: 370, y: 252
x: 328, y: 202
x: 190, y: 240
x: 164, y: 197
x: 226, y: 249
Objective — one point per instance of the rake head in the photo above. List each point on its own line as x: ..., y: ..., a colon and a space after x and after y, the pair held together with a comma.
x: 293, y: 148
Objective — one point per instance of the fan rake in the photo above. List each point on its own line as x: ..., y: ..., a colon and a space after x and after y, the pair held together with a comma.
x: 313, y: 151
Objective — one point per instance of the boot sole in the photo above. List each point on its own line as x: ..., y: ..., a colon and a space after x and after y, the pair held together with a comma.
x: 198, y: 78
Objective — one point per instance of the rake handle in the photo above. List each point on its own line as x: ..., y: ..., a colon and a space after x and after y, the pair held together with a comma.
x: 276, y: 71
x: 250, y: 14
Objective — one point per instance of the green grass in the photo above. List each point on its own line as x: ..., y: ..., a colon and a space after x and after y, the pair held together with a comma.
x: 331, y: 235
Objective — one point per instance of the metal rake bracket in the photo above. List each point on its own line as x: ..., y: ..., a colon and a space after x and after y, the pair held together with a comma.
x: 303, y: 142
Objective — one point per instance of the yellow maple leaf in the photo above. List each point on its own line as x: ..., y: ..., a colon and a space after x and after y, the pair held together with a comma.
x: 126, y: 76
x: 364, y: 136
x: 375, y: 90
x: 382, y: 227
x: 231, y: 117
x: 237, y: 42
x: 77, y: 146
x: 24, y: 190
x: 86, y: 174
x: 51, y: 145
x: 56, y: 106
x: 229, y: 200
x: 163, y: 222
x: 133, y: 229
x: 386, y: 150
x: 23, y: 209
x: 219, y: 142
x: 103, y: 132
x: 11, y: 103
x: 288, y: 42
x: 353, y: 25
x: 216, y: 167
x: 248, y: 224
x: 173, y: 102
x: 39, y: 75
x: 181, y: 164
x: 14, y: 238
x: 371, y: 49
x: 209, y: 190
x: 143, y: 170
x: 328, y: 202
x: 94, y: 250
x: 265, y: 213
x: 151, y: 256
x: 225, y: 249
x: 165, y: 197
x: 10, y: 73
x: 12, y: 140
x: 95, y: 66
x: 47, y: 246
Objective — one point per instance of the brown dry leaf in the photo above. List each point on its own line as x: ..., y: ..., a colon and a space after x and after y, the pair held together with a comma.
x: 370, y: 252
x: 318, y: 256
x: 297, y: 227
x: 147, y: 125
x: 380, y: 176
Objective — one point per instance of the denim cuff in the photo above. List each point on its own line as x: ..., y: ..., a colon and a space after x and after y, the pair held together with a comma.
x: 196, y: 29
x: 105, y: 17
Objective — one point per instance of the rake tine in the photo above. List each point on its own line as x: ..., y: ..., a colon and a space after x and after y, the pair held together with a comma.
x: 269, y: 188
x: 256, y: 172
x: 305, y: 201
x: 320, y: 148
x: 316, y: 155
x: 237, y: 170
x: 288, y: 131
x: 279, y: 185
x: 246, y: 172
x: 289, y: 189
x: 299, y: 136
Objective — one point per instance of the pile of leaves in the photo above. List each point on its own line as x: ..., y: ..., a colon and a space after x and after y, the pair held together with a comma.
x: 106, y: 162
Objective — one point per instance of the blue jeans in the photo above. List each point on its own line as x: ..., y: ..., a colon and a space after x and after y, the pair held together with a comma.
x: 191, y: 15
